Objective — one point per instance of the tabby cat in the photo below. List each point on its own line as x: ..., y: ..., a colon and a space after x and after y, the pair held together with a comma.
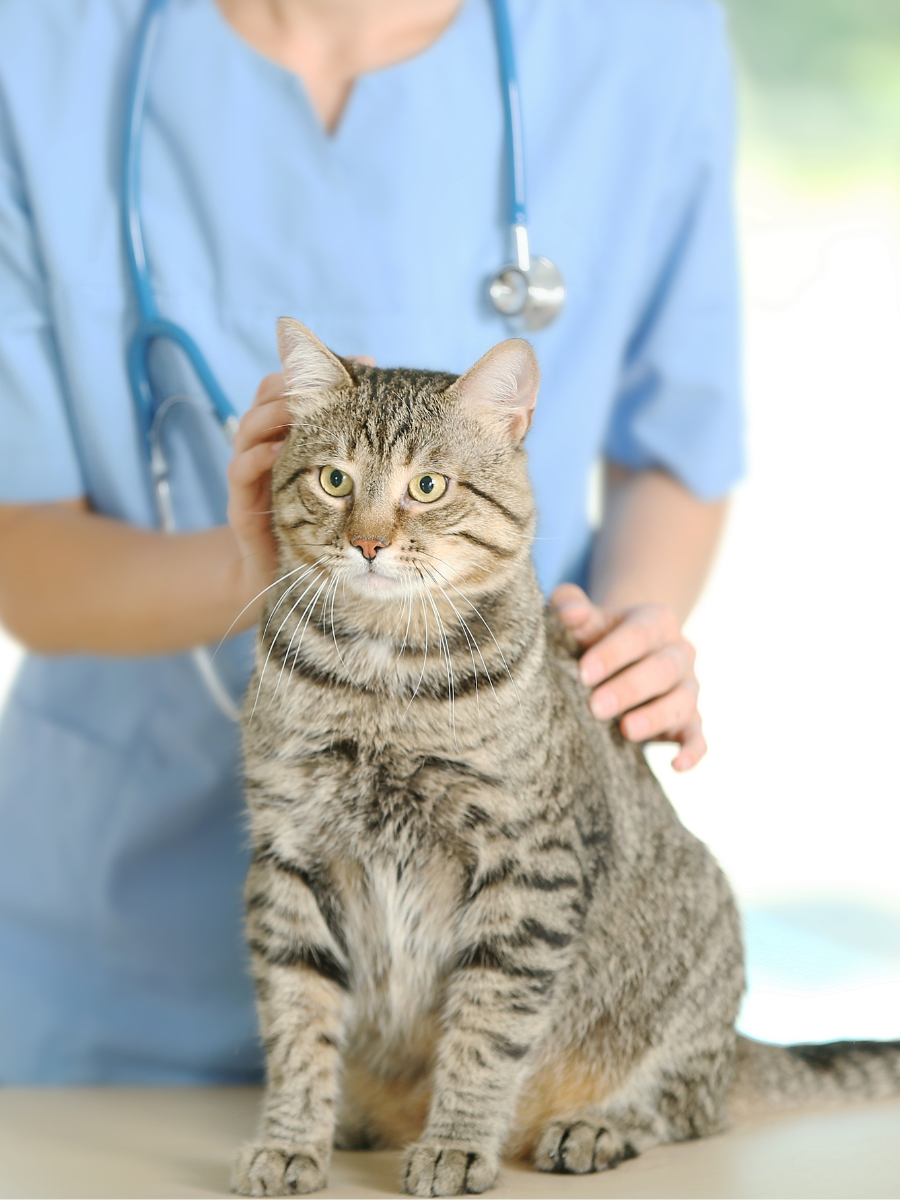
x: 477, y: 926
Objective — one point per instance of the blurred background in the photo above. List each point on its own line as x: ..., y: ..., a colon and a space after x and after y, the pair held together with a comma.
x: 799, y: 630
x: 799, y: 654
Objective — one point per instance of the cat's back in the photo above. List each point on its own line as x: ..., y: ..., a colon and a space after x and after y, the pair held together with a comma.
x: 654, y: 878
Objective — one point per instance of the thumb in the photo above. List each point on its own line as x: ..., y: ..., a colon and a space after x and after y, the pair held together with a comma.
x: 585, y: 621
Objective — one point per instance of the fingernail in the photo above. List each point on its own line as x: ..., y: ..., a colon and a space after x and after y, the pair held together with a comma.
x: 636, y: 728
x: 604, y: 705
x: 591, y: 674
x: 564, y: 610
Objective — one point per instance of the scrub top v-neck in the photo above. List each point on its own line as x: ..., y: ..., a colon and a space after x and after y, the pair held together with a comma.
x: 121, y: 842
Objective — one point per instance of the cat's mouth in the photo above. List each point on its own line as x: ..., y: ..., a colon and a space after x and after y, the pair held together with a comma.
x: 371, y: 578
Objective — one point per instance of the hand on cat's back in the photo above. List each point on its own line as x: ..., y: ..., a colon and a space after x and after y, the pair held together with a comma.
x: 638, y: 662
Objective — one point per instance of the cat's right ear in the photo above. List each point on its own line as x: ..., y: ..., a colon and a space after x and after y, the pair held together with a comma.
x: 309, y: 367
x: 501, y: 389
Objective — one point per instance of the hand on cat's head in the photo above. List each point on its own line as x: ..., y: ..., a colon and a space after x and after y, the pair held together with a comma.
x: 257, y: 443
x: 392, y: 480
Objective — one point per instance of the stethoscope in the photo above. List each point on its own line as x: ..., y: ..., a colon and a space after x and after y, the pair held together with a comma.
x: 529, y: 291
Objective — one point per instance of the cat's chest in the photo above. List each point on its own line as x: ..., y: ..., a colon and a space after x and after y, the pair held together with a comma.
x: 400, y: 923
x: 384, y: 802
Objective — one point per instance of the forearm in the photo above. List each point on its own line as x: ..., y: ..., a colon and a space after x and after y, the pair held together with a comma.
x: 72, y: 581
x: 657, y: 542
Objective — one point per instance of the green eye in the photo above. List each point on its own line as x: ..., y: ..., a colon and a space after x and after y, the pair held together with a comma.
x: 426, y: 488
x: 335, y: 482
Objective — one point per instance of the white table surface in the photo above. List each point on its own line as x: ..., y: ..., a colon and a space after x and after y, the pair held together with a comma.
x: 179, y: 1142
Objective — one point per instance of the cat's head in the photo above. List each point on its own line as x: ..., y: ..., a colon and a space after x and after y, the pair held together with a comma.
x: 392, y: 478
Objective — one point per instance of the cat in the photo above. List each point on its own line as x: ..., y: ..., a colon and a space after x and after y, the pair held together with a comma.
x: 477, y: 926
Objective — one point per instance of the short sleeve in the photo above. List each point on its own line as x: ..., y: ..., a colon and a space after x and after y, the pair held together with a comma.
x: 38, y: 459
x: 679, y: 403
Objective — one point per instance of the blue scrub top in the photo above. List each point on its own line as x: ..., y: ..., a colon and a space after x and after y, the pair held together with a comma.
x: 121, y: 840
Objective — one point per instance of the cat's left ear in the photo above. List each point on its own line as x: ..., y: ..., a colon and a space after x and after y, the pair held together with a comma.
x: 502, y: 388
x: 308, y: 365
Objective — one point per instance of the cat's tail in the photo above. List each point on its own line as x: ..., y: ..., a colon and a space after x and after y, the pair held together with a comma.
x: 791, y: 1076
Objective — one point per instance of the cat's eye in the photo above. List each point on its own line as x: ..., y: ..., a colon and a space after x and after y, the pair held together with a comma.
x: 426, y: 488
x: 335, y: 481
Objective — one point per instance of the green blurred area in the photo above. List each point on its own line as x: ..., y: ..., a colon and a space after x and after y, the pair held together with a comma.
x: 820, y: 83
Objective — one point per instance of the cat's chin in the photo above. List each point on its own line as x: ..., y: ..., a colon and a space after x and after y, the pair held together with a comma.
x: 376, y: 585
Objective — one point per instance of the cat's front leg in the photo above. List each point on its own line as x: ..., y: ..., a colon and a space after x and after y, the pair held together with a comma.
x: 302, y: 985
x: 498, y: 1010
x: 301, y: 1018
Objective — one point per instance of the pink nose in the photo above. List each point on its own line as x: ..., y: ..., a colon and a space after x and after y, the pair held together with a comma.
x: 369, y: 547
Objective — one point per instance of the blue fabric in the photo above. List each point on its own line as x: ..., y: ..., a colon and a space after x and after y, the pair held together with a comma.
x: 120, y: 831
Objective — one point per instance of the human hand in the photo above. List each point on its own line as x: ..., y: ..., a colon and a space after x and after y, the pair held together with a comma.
x: 257, y: 443
x: 644, y: 666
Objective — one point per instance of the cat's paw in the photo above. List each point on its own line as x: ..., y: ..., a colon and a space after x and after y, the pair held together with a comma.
x: 582, y: 1144
x: 434, y: 1170
x: 278, y: 1170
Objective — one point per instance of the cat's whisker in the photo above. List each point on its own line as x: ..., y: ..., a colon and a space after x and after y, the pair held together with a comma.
x: 287, y: 590
x: 408, y: 603
x: 409, y: 613
x: 290, y: 612
x: 304, y: 621
x: 307, y: 613
x: 275, y: 609
x: 425, y: 659
x: 339, y: 580
x: 468, y: 632
x: 482, y: 620
x: 471, y: 640
x: 442, y: 561
x: 292, y: 609
x: 304, y: 424
x: 325, y: 605
x: 250, y: 603
x: 403, y: 579
x: 444, y: 643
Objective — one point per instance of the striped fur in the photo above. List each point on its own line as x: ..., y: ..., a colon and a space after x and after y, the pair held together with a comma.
x: 477, y: 926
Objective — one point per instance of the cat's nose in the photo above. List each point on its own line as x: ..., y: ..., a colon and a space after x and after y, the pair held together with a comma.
x: 368, y: 547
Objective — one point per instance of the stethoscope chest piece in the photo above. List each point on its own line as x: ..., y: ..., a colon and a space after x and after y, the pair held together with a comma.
x: 529, y: 292
x: 531, y: 298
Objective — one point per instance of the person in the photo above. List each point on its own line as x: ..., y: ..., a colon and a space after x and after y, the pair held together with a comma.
x: 338, y: 161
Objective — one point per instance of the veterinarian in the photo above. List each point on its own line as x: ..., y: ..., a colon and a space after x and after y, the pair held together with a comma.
x: 340, y: 161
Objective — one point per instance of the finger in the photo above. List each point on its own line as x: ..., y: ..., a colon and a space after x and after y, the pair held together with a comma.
x: 654, y: 675
x: 364, y: 359
x: 270, y: 388
x: 692, y: 750
x: 670, y: 715
x: 585, y: 621
x: 262, y: 423
x: 642, y: 631
x: 246, y: 469
x: 569, y: 593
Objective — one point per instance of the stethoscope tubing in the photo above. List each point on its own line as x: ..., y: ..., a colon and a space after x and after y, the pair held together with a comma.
x: 152, y: 327
x: 514, y: 144
x: 135, y: 104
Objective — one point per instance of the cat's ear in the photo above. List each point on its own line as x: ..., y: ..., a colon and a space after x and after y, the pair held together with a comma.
x: 502, y: 388
x: 308, y: 365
